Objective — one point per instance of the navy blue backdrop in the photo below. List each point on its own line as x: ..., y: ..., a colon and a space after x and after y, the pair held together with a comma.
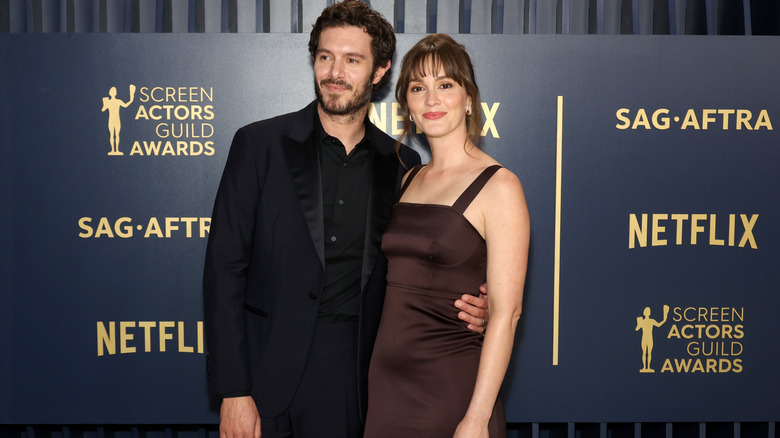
x: 648, y: 165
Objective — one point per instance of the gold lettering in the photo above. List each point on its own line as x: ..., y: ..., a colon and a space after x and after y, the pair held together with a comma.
x: 188, y: 221
x: 168, y: 149
x: 747, y: 236
x: 153, y: 228
x: 205, y: 226
x: 732, y: 227
x: 743, y: 119
x: 164, y: 335
x: 680, y: 220
x: 147, y: 326
x: 725, y: 113
x: 125, y: 337
x: 121, y: 230
x: 106, y: 339
x: 664, y: 121
x: 183, y: 348
x: 677, y: 316
x: 104, y: 228
x: 84, y: 225
x: 144, y: 93
x: 490, y: 124
x: 641, y: 119
x: 713, y: 240
x: 706, y: 117
x: 695, y: 227
x: 690, y: 120
x: 635, y: 231
x: 396, y: 119
x: 136, y: 149
x: 141, y: 113
x: 657, y: 229
x: 200, y: 337
x: 378, y: 119
x: 620, y: 114
x: 763, y: 121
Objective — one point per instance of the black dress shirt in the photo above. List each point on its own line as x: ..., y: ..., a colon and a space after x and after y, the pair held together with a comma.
x: 345, y: 181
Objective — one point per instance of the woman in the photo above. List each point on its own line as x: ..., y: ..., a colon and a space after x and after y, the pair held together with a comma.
x: 460, y: 220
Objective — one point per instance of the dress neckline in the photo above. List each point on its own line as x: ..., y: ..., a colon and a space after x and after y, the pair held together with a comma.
x: 445, y: 207
x: 464, y: 200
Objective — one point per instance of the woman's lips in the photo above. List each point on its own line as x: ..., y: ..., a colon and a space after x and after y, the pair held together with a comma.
x: 434, y: 115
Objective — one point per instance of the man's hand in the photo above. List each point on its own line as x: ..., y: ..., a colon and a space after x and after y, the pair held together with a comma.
x: 474, y: 310
x: 238, y: 418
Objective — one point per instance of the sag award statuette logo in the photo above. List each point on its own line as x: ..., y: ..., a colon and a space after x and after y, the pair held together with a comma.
x: 112, y: 105
x: 647, y: 324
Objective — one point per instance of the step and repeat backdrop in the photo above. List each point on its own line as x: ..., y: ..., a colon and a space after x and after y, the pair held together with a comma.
x: 649, y: 165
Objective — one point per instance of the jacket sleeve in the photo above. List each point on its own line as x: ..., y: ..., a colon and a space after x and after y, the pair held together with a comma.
x: 227, y: 262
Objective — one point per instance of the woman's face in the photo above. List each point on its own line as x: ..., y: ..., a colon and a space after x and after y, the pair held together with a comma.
x: 438, y: 104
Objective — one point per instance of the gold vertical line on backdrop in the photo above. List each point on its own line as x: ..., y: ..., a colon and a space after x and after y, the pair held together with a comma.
x: 557, y: 264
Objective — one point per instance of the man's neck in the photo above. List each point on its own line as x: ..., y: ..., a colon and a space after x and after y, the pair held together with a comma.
x: 349, y: 129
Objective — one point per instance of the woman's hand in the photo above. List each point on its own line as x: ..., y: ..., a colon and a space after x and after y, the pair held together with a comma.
x: 471, y: 429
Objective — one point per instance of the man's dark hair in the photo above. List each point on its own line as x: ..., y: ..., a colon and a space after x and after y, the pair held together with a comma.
x: 359, y: 14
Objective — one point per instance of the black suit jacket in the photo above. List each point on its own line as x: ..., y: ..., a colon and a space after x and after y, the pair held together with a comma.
x: 264, y: 266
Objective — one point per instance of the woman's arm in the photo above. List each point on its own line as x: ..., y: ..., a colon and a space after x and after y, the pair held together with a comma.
x: 507, y: 233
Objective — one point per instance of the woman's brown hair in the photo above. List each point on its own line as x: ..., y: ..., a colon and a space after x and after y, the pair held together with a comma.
x: 434, y: 52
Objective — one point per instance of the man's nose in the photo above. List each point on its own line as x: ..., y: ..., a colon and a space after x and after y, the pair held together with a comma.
x: 336, y: 70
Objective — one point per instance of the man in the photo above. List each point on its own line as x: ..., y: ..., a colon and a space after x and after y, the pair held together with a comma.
x: 294, y: 278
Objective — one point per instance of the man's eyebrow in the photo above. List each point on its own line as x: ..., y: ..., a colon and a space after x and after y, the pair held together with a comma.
x: 349, y: 54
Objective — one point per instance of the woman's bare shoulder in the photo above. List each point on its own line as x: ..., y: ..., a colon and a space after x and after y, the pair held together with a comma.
x: 504, y: 185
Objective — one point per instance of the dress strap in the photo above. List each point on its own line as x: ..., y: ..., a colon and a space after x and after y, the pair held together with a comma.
x: 409, y: 178
x: 473, y: 190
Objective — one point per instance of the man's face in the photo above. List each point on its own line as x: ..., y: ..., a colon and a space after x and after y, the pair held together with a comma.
x: 343, y: 70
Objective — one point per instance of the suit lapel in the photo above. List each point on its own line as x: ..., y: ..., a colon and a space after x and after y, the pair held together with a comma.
x: 303, y: 159
x: 381, y: 196
x: 304, y: 162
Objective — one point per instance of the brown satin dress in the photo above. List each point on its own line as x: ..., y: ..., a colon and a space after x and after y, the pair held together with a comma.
x: 425, y: 360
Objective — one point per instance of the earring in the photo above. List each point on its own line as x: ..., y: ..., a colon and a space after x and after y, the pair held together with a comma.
x: 410, y: 118
x: 468, y: 110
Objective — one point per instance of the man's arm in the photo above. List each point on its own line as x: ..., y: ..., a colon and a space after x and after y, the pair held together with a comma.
x: 225, y: 272
x: 226, y: 269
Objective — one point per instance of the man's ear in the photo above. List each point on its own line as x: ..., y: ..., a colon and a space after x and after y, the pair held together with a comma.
x: 379, y: 73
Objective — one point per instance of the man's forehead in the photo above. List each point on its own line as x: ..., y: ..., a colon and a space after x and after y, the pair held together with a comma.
x: 350, y: 41
x: 345, y: 33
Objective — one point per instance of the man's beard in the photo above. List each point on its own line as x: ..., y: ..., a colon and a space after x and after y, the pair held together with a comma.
x: 333, y: 107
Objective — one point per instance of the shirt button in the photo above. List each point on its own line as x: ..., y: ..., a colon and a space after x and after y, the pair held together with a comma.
x: 341, y: 202
x: 332, y: 238
x: 345, y: 165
